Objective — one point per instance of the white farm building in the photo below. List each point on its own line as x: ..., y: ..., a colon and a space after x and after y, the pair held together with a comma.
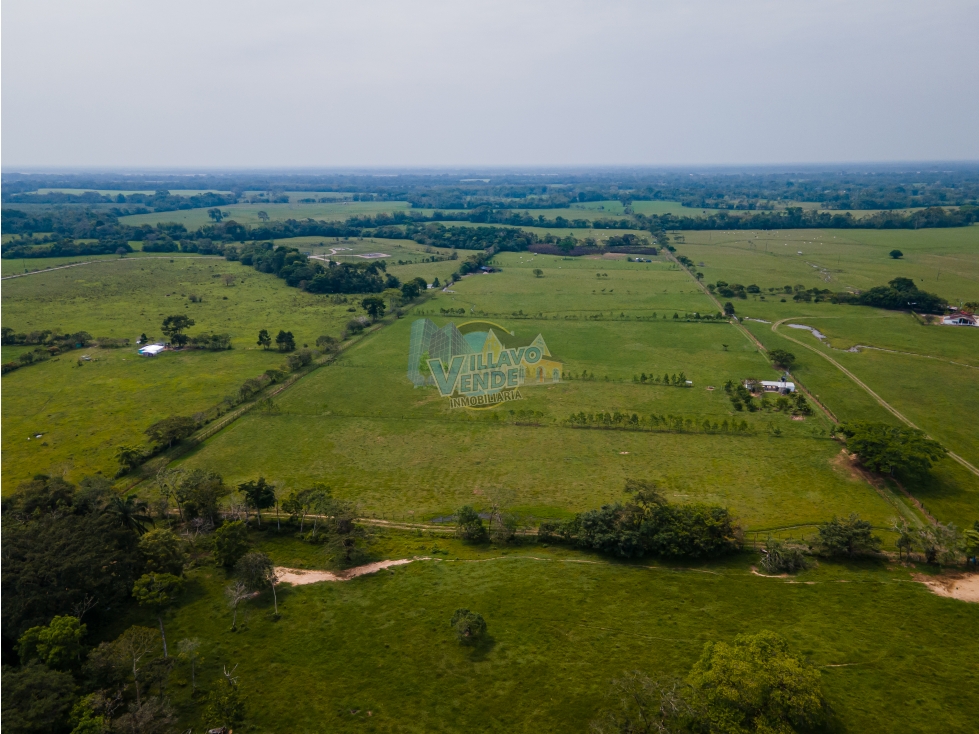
x: 961, y: 318
x: 151, y: 350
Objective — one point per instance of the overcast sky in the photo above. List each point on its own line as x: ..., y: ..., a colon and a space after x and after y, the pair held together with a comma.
x: 509, y: 82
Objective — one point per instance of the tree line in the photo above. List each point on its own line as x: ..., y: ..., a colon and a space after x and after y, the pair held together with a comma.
x: 880, y: 187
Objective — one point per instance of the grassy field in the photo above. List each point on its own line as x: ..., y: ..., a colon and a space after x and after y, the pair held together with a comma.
x: 377, y: 653
x: 398, y: 451
x: 20, y: 266
x: 925, y: 372
x: 85, y: 413
x: 943, y: 261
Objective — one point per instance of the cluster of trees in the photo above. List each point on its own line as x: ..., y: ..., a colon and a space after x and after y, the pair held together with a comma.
x: 58, y: 542
x: 742, y: 398
x: 891, y: 449
x: 300, y: 272
x: 753, y: 684
x: 648, y: 525
x: 938, y: 543
x: 46, y: 344
x: 900, y: 294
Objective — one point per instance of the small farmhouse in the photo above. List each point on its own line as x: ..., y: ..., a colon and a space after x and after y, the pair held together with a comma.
x: 783, y: 387
x: 961, y: 318
x: 151, y: 350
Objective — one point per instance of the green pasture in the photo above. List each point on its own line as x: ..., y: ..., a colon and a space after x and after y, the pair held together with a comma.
x: 86, y: 412
x: 582, y: 287
x: 18, y: 266
x: 378, y: 654
x: 915, y: 386
x: 248, y: 213
x: 942, y: 261
x: 399, y: 451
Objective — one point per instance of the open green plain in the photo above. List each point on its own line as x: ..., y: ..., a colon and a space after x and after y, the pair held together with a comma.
x: 85, y: 412
x: 929, y: 373
x: 377, y: 653
x: 400, y: 452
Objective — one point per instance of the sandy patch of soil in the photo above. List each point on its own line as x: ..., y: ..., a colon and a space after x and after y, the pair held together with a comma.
x: 756, y: 572
x: 301, y: 577
x: 964, y: 587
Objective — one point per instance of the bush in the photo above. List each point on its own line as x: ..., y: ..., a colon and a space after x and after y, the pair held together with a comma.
x: 469, y: 626
x: 230, y: 543
x: 781, y: 558
x: 885, y: 448
x: 847, y: 537
x: 648, y: 525
x: 469, y: 525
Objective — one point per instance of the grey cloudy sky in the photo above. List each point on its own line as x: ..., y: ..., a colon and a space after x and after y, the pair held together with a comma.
x: 378, y: 83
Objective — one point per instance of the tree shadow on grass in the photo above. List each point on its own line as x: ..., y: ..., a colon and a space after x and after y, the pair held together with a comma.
x: 479, y: 649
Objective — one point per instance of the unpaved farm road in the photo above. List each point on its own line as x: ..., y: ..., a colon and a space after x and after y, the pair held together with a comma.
x: 884, y: 404
x: 964, y: 587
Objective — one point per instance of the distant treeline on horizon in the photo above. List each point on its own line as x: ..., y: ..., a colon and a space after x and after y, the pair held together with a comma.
x: 749, y: 189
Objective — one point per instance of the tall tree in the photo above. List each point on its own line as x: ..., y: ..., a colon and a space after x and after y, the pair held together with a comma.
x: 130, y: 512
x: 190, y: 651
x: 756, y: 684
x: 259, y: 495
x: 163, y: 551
x: 847, y: 536
x: 57, y: 645
x: 285, y: 341
x: 158, y: 591
x: 374, y: 306
x: 36, y: 699
x: 174, y: 326
x: 236, y: 592
x: 230, y: 543
x: 264, y: 340
x: 171, y: 430
x: 257, y: 571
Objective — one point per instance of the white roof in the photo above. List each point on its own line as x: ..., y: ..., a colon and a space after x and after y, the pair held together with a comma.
x: 152, y: 349
x: 777, y: 383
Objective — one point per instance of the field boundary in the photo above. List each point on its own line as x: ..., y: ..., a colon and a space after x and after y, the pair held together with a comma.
x: 883, y: 403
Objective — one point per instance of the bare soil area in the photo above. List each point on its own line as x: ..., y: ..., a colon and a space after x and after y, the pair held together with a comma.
x: 964, y: 587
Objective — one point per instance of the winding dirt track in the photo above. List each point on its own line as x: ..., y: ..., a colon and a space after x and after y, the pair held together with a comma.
x: 964, y: 587
x: 883, y: 403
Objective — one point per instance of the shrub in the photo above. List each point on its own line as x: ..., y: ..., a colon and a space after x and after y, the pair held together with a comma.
x: 230, y: 543
x: 847, y: 537
x: 470, y: 525
x: 469, y: 626
x: 781, y: 558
